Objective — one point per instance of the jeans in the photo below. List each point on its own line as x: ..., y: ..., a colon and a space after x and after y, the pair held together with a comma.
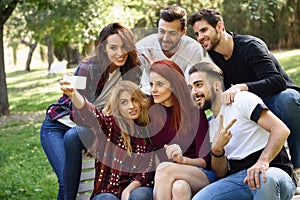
x: 51, y: 136
x: 73, y: 162
x: 286, y: 106
x: 140, y: 193
x: 279, y: 186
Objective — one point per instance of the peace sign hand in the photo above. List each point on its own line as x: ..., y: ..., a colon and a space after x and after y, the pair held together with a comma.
x: 223, y: 136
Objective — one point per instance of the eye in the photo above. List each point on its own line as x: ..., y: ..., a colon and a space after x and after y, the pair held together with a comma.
x: 173, y: 33
x: 114, y: 48
x: 197, y: 34
x: 160, y: 84
x: 123, y: 102
x: 199, y: 85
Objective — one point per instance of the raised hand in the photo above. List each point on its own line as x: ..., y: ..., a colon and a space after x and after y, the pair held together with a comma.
x: 174, y: 152
x: 223, y: 136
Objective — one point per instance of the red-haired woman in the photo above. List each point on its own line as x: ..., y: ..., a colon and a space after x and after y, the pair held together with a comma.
x: 179, y: 134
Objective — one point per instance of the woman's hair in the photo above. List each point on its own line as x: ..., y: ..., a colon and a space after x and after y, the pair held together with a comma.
x: 112, y: 107
x: 128, y: 42
x: 183, y: 105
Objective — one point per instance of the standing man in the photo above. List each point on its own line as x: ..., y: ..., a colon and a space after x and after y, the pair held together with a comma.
x: 249, y: 158
x: 248, y: 65
x: 170, y: 43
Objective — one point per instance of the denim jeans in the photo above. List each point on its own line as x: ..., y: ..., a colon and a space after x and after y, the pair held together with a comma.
x: 279, y: 186
x: 51, y: 136
x: 140, y: 193
x: 286, y: 106
x: 73, y: 162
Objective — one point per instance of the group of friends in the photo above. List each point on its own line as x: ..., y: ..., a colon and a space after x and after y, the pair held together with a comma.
x: 143, y: 116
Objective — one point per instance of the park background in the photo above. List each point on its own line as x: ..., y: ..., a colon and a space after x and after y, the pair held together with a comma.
x: 36, y: 33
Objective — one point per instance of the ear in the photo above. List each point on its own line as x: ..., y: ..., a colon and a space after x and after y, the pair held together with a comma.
x: 220, y: 26
x: 184, y: 31
x: 217, y: 86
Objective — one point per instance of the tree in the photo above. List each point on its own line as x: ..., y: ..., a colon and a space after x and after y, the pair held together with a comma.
x: 6, y: 9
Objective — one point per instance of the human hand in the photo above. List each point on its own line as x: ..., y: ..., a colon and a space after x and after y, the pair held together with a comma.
x: 153, y: 58
x: 72, y: 93
x: 223, y: 136
x: 174, y: 152
x: 253, y: 174
x: 227, y: 97
x: 66, y: 90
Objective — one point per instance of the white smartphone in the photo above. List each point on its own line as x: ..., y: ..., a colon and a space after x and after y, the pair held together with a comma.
x: 77, y: 82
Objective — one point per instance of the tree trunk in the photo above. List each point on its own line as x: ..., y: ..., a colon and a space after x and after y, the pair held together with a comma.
x: 50, y: 51
x: 4, y: 105
x: 5, y: 12
x: 32, y: 47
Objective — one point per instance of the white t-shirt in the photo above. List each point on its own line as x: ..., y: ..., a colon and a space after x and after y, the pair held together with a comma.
x: 247, y: 136
x: 189, y: 53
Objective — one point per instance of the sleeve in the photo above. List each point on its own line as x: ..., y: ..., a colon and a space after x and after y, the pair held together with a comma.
x: 270, y: 81
x: 147, y: 167
x: 249, y: 105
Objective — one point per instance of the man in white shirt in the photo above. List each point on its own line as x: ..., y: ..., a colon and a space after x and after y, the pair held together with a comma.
x: 170, y: 43
x: 248, y: 154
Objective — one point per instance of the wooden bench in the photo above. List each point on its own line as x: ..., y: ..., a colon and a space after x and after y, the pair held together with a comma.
x: 86, y: 184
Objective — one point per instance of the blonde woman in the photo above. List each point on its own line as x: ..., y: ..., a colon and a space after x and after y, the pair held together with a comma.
x: 120, y: 142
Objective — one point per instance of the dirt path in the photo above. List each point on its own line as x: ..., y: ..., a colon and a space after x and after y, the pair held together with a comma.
x: 28, y: 116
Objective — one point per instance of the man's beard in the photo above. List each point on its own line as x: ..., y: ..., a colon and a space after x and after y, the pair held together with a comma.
x: 172, y: 47
x: 215, y: 41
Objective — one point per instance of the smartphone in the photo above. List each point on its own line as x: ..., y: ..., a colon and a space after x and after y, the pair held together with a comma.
x: 77, y: 82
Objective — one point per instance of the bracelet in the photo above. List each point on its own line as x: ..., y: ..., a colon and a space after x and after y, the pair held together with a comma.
x: 218, y: 156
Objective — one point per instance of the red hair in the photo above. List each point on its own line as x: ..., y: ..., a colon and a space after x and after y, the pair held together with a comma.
x: 183, y: 105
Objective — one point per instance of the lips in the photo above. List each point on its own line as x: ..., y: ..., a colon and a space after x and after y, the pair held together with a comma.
x: 134, y: 112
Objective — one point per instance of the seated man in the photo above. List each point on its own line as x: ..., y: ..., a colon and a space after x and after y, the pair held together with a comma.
x: 249, y: 158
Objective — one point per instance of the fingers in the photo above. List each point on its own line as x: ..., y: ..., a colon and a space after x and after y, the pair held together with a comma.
x: 230, y: 125
x: 173, y: 151
x: 254, y: 175
x: 153, y: 58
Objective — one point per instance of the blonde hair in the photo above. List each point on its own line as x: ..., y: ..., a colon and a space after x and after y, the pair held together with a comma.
x: 112, y: 107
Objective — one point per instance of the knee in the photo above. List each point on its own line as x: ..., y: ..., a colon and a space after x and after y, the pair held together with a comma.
x: 181, y: 190
x: 289, y: 99
x: 162, y: 172
x: 71, y: 139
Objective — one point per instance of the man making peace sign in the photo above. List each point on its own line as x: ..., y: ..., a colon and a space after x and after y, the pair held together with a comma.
x: 248, y: 154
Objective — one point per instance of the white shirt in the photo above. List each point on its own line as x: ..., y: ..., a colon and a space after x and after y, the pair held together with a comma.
x: 247, y: 136
x: 189, y: 53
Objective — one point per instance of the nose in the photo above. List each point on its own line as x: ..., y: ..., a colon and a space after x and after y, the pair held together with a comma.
x: 166, y: 36
x: 131, y: 104
x: 153, y: 89
x: 120, y: 51
x: 193, y: 91
x: 200, y: 37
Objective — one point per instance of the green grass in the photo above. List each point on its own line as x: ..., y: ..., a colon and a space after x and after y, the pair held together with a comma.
x: 25, y: 170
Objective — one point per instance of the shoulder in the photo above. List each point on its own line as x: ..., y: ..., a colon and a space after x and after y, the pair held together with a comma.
x: 148, y: 40
x: 246, y: 102
x: 248, y: 42
x: 190, y: 41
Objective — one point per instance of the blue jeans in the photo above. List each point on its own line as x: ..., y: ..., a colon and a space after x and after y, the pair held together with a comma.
x: 140, y: 193
x: 279, y: 186
x: 73, y: 162
x: 51, y: 136
x: 286, y: 106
